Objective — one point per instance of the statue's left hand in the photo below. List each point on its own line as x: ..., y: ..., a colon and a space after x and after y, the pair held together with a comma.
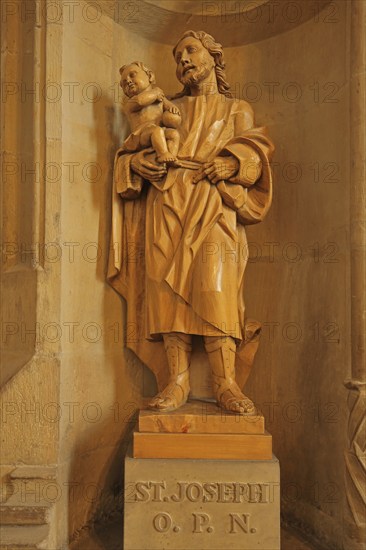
x: 145, y: 168
x: 221, y: 168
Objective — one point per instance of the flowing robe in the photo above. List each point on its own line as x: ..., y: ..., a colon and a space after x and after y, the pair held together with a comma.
x: 178, y: 250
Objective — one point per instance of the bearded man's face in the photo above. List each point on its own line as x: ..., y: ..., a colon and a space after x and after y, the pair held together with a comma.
x: 194, y: 62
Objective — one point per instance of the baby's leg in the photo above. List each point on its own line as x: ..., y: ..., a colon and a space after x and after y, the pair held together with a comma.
x: 146, y: 137
x: 172, y: 140
x: 159, y: 143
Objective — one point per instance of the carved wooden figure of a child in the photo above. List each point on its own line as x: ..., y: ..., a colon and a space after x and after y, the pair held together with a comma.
x: 152, y: 117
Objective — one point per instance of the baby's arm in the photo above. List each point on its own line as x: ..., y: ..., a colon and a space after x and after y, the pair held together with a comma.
x: 171, y: 115
x: 143, y: 99
x: 169, y: 106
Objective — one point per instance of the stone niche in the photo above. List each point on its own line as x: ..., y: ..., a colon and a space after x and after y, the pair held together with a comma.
x: 71, y: 387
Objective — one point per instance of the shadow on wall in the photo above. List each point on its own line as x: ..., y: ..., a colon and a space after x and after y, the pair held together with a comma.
x: 92, y: 500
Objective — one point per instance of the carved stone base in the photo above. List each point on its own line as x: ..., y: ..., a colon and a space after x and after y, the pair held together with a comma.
x: 193, y: 504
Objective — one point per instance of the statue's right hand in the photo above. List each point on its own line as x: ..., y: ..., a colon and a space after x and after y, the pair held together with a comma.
x: 147, y: 169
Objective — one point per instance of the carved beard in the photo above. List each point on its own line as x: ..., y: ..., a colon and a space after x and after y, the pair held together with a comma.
x: 196, y: 75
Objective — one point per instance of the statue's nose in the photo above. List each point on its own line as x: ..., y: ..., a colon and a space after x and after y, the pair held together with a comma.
x: 184, y: 59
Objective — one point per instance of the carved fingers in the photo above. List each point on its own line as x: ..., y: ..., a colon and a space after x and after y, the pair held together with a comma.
x: 146, y: 169
x: 201, y: 174
x: 169, y: 106
x: 221, y: 168
x: 159, y: 94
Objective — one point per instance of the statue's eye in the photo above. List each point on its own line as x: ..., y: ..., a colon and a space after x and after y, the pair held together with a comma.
x: 178, y: 58
x: 191, y: 49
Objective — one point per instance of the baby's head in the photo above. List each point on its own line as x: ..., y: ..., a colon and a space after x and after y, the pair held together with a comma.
x: 135, y: 78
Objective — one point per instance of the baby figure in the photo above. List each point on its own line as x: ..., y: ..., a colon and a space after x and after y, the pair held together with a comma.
x: 153, y: 119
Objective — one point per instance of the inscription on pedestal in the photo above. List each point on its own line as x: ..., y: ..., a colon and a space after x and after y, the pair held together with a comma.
x: 202, y: 522
x: 156, y: 491
x: 199, y: 504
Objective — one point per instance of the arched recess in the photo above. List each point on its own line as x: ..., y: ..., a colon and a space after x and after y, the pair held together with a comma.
x: 232, y: 23
x: 329, y: 299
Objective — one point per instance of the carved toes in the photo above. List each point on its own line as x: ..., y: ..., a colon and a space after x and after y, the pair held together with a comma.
x: 237, y: 402
x: 170, y: 399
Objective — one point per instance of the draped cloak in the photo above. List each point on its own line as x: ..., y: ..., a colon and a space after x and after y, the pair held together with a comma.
x: 178, y: 249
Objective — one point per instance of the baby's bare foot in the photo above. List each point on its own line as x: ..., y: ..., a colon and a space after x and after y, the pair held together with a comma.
x: 174, y: 110
x: 166, y: 157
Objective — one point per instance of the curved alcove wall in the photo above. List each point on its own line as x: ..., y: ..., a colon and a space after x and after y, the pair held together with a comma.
x: 232, y: 23
x: 296, y: 77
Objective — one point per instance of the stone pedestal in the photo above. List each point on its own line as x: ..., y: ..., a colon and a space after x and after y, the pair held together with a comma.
x: 201, y: 480
x: 190, y: 504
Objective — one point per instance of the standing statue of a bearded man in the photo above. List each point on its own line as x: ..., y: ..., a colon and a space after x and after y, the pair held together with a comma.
x: 179, y: 248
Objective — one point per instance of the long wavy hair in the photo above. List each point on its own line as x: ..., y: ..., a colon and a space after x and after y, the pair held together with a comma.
x: 216, y: 51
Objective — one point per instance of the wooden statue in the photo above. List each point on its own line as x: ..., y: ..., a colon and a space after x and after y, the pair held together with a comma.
x: 179, y: 248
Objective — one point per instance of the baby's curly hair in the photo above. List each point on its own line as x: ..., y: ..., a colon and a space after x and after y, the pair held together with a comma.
x: 142, y: 66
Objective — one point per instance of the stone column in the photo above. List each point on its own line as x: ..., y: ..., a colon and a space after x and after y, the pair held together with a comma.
x: 355, y: 520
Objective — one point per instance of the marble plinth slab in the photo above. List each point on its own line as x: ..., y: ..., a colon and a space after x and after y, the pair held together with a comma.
x: 186, y: 504
x: 199, y: 417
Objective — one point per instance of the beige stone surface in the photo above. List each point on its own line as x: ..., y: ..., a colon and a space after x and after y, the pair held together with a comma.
x: 110, y: 537
x: 201, y: 504
x: 101, y: 384
x: 29, y: 430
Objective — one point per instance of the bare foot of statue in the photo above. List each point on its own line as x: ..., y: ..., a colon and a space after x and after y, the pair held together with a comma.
x: 231, y: 398
x: 166, y: 157
x: 173, y: 396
